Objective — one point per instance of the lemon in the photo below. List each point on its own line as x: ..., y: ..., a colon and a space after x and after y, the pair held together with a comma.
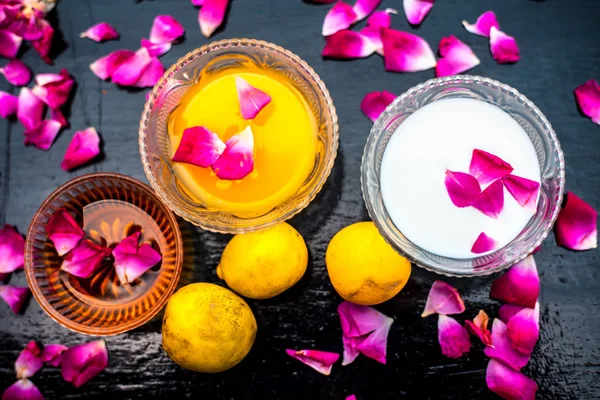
x: 207, y: 328
x: 363, y: 268
x: 265, y: 263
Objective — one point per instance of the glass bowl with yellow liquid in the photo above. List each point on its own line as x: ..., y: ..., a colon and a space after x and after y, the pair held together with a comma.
x: 295, y: 135
x: 109, y: 207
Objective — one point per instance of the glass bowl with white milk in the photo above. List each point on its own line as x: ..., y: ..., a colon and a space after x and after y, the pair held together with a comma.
x: 437, y: 127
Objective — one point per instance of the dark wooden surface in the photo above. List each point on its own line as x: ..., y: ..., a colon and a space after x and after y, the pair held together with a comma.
x: 560, y: 46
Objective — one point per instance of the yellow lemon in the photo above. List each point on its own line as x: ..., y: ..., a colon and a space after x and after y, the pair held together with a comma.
x: 363, y: 268
x: 265, y: 263
x: 207, y: 328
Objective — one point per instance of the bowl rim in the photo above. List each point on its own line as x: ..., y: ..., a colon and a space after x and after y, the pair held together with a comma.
x: 442, y: 81
x: 304, y: 201
x: 84, y: 329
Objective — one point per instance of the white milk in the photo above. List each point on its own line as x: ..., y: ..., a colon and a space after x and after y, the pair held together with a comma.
x: 441, y: 136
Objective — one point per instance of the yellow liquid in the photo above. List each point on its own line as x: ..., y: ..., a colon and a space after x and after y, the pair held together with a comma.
x: 285, y: 141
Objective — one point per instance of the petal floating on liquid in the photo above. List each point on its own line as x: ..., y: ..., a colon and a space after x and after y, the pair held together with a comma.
x: 417, y: 10
x: 491, y: 200
x: 462, y: 188
x: 9, y: 44
x: 457, y: 57
x: 151, y: 75
x: 453, y: 338
x: 30, y: 109
x: 362, y: 8
x: 8, y: 104
x: 340, y: 17
x: 199, y: 146
x: 348, y: 44
x: 84, y: 259
x: 237, y: 160
x: 443, y: 299
x: 14, y: 296
x: 165, y: 29
x: 12, y: 249
x: 588, y: 99
x: 43, y: 135
x: 64, y: 231
x: 576, y: 227
x: 524, y: 329
x: 502, y: 349
x: 484, y: 23
x: 508, y: 383
x: 16, y: 73
x: 155, y: 50
x: 131, y: 260
x: 320, y: 361
x: 100, y: 32
x: 81, y: 363
x: 503, y: 47
x: 405, y: 52
x: 525, y: 191
x: 211, y: 16
x: 29, y: 361
x: 520, y: 285
x: 23, y: 389
x: 52, y: 354
x: 84, y: 146
x: 479, y: 328
x: 483, y: 244
x: 486, y: 167
x: 374, y: 103
x: 105, y: 67
x: 130, y: 70
x: 251, y: 99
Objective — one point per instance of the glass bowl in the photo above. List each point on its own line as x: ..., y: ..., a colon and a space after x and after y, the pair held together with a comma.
x: 166, y: 95
x: 523, y: 111
x: 99, y: 305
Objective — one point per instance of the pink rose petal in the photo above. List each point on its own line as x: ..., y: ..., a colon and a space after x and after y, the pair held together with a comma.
x: 484, y: 23
x: 105, y: 67
x: 8, y: 104
x: 9, y: 44
x: 405, y: 52
x: 64, y: 231
x: 198, y: 3
x: 479, y: 328
x: 348, y: 44
x: 417, y: 10
x: 524, y: 329
x: 100, y: 32
x: 29, y: 361
x: 30, y: 109
x: 16, y: 73
x: 211, y: 16
x: 374, y: 103
x: 507, y: 311
x: 503, y: 47
x: 351, y: 397
x: 132, y: 261
x: 14, y: 296
x: 576, y: 226
x: 525, y: 191
x: 443, y: 299
x: 340, y: 17
x: 52, y: 354
x: 43, y: 135
x: 457, y: 57
x: 252, y: 100
x: 237, y: 160
x: 84, y: 259
x: 12, y: 248
x: 520, y: 285
x: 508, y: 383
x: 350, y: 350
x: 588, y: 99
x: 154, y: 49
x: 130, y: 70
x: 374, y: 345
x: 502, y: 349
x: 381, y: 19
x: 81, y: 363
x: 454, y: 339
x: 57, y: 115
x: 320, y: 361
x: 199, y: 146
x: 362, y: 8
x: 43, y: 45
x: 23, y: 389
x: 483, y: 244
x: 152, y: 74
x: 310, y: 1
x: 486, y: 167
x: 55, y: 93
x: 165, y: 29
x: 462, y: 188
x: 491, y: 200
x: 84, y: 146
